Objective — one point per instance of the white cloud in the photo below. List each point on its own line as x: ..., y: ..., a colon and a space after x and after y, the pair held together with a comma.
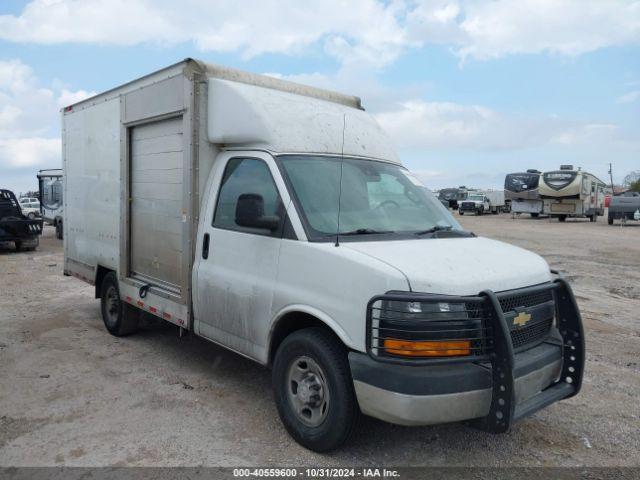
x: 29, y: 137
x: 629, y: 97
x: 67, y: 97
x: 492, y: 29
x: 419, y: 124
x: 29, y: 152
x: 363, y: 32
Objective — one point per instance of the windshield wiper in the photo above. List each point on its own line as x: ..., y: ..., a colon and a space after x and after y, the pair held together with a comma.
x: 366, y: 231
x: 434, y: 229
x: 448, y: 229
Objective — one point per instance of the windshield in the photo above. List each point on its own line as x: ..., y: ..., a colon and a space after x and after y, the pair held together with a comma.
x: 559, y: 179
x: 375, y: 198
x: 519, y: 182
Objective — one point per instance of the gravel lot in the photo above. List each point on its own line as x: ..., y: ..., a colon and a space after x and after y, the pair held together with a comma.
x: 70, y: 394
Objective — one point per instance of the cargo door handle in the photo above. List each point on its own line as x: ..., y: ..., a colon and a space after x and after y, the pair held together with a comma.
x: 205, y: 246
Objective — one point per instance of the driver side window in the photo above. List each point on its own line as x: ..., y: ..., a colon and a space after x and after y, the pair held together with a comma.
x: 248, y: 190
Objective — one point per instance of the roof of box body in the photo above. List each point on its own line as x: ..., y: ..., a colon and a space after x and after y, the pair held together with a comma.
x: 247, y: 110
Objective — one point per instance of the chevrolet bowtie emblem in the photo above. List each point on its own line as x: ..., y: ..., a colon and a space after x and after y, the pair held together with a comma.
x: 521, y: 319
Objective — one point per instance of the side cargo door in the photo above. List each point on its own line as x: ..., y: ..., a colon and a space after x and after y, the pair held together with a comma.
x: 156, y: 203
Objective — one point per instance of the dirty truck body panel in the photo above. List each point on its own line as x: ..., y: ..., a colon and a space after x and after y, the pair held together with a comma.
x: 213, y: 195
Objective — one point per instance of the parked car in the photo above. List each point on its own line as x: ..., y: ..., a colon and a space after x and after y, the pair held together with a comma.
x: 30, y: 207
x: 15, y: 226
x: 276, y: 220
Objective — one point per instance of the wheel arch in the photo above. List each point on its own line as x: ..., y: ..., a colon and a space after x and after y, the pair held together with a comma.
x: 101, y: 272
x: 297, y: 317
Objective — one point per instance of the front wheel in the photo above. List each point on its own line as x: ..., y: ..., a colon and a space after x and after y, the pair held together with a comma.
x: 119, y: 318
x: 460, y: 212
x: 31, y: 216
x: 314, y: 390
x: 535, y: 215
x: 610, y: 219
x: 562, y: 218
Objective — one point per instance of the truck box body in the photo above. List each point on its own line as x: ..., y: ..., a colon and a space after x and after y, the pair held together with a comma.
x: 137, y: 159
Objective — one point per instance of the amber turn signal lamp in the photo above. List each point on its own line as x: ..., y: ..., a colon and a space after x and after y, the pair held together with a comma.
x: 411, y: 348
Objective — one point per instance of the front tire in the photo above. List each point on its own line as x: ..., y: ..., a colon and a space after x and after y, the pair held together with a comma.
x: 562, y: 218
x: 610, y: 219
x: 460, y: 212
x: 314, y: 391
x: 535, y: 215
x: 119, y: 318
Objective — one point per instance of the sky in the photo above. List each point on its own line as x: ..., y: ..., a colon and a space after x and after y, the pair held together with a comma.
x: 467, y: 90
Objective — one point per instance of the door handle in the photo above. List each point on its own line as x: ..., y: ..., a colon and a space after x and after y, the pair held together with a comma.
x: 205, y: 246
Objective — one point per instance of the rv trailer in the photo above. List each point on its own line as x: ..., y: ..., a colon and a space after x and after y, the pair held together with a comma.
x: 50, y: 187
x: 572, y: 193
x: 522, y: 190
x: 452, y: 196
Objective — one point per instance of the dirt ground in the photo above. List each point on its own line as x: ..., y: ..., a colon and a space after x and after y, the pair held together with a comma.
x: 71, y: 394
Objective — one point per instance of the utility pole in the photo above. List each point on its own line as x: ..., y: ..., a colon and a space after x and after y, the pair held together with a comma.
x: 611, y: 176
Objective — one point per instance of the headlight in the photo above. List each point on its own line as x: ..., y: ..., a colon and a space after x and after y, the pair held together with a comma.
x: 430, y: 328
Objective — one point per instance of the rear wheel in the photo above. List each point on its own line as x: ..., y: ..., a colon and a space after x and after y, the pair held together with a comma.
x: 314, y: 390
x: 31, y: 215
x: 593, y: 218
x: 562, y: 218
x: 460, y: 212
x: 119, y: 318
x: 535, y: 215
x: 610, y: 219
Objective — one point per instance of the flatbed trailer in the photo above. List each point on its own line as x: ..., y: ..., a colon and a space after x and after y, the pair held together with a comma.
x: 16, y: 227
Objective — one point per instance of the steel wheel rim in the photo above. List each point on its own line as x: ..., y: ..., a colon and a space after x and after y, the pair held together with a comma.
x: 308, y: 391
x: 112, y: 306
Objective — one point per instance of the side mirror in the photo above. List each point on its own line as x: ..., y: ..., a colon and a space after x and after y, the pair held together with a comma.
x: 250, y: 213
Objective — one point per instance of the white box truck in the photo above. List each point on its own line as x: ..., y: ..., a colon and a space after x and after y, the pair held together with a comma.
x: 274, y: 219
x: 489, y: 201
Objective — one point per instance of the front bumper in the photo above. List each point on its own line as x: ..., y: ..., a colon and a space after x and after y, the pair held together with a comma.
x: 494, y: 392
x: 469, y: 207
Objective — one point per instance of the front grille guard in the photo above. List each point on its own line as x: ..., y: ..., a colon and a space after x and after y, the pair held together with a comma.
x: 504, y: 411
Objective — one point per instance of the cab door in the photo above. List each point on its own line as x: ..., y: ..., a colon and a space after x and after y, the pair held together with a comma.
x: 237, y: 256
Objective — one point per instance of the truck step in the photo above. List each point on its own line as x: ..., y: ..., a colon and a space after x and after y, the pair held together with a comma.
x: 544, y: 398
